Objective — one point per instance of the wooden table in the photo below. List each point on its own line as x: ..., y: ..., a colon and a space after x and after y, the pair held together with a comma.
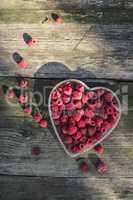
x: 94, y: 43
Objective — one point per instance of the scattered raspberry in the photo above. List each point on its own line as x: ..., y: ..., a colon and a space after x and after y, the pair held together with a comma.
x: 10, y: 94
x: 23, y: 64
x: 43, y: 123
x: 102, y: 167
x: 23, y: 83
x: 37, y: 117
x: 99, y: 149
x: 28, y: 110
x: 23, y: 99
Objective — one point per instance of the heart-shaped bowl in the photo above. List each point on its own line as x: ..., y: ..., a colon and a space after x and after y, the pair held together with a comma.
x: 97, y: 113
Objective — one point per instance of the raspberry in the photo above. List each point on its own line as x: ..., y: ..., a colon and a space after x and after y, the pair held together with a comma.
x: 99, y: 122
x: 90, y: 142
x: 108, y: 97
x: 58, y: 20
x: 57, y: 122
x: 102, y: 167
x: 28, y: 110
x: 78, y: 114
x: 91, y: 131
x: 78, y: 135
x: 87, y: 121
x: 23, y: 99
x: 10, y: 94
x: 23, y: 83
x: 64, y: 119
x: 115, y: 115
x: 58, y: 102
x: 72, y: 130
x: 83, y: 139
x: 75, y: 149
x: 54, y: 108
x: 70, y: 106
x: 23, y: 64
x: 81, y: 123
x: 85, y: 98
x: 37, y: 117
x: 90, y: 94
x: 64, y: 130
x: 84, y: 167
x: 68, y: 140
x: 77, y: 104
x: 100, y: 92
x: 43, y: 123
x: 31, y: 42
x: 109, y: 111
x: 80, y: 87
x: 89, y: 113
x: 99, y: 149
x: 67, y: 90
x: 66, y: 99
x: 83, y: 131
x: 76, y: 95
x: 56, y: 115
x: 99, y: 104
x: 55, y: 95
x: 103, y: 130
x: 92, y: 123
x: 72, y: 121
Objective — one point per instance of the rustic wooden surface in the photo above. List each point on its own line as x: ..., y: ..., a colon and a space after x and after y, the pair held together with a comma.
x: 95, y: 40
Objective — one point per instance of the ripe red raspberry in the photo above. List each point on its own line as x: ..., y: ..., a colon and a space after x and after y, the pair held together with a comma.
x: 90, y: 142
x: 64, y: 119
x: 83, y: 139
x: 75, y: 149
x: 99, y: 122
x: 23, y: 99
x: 67, y: 90
x: 100, y: 92
x: 72, y: 121
x: 108, y: 97
x: 83, y: 131
x: 37, y: 117
x: 56, y: 115
x: 106, y: 125
x: 90, y: 94
x: 115, y: 115
x: 78, y: 114
x: 23, y: 83
x: 57, y: 122
x: 55, y: 95
x: 62, y: 107
x: 77, y: 104
x: 89, y: 113
x: 58, y: 20
x: 80, y: 87
x: 70, y: 106
x: 31, y: 42
x: 72, y: 130
x: 93, y: 106
x: 43, y: 123
x: 78, y: 135
x: 23, y: 64
x: 77, y: 95
x: 99, y: 149
x: 81, y: 123
x: 10, y: 94
x: 91, y: 131
x: 87, y: 121
x: 99, y: 104
x: 28, y: 110
x: 68, y: 140
x: 85, y: 98
x: 54, y: 108
x: 64, y: 130
x: 84, y: 167
x: 102, y: 167
x: 103, y: 130
x: 58, y: 102
x: 66, y: 99
x: 92, y: 123
x: 109, y: 110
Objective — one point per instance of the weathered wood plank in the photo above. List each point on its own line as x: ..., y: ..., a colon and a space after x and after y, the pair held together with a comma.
x: 32, y: 188
x: 19, y: 134
x: 105, y: 52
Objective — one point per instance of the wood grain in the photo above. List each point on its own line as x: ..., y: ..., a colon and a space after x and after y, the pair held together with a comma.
x: 32, y: 188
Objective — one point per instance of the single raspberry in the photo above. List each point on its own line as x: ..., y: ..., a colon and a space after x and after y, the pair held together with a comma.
x: 103, y: 130
x: 109, y: 110
x: 28, y: 110
x: 31, y: 42
x: 37, y: 117
x: 115, y: 115
x: 23, y: 83
x: 99, y: 122
x: 64, y: 130
x: 61, y: 107
x: 92, y: 106
x: 43, y: 123
x: 55, y: 95
x: 91, y: 131
x: 77, y: 95
x: 67, y: 90
x: 108, y: 97
x: 68, y: 140
x: 92, y: 123
x: 83, y: 139
x: 66, y: 99
x: 80, y: 87
x: 10, y: 94
x: 102, y: 167
x: 90, y: 142
x: 56, y: 115
x: 57, y: 122
x: 78, y: 135
x: 100, y: 92
x: 23, y: 99
x: 72, y: 121
x: 78, y: 114
x: 54, y: 108
x: 64, y: 119
x: 75, y: 149
x: 99, y: 149
x: 58, y: 20
x: 77, y: 104
x: 72, y: 130
x: 81, y: 123
x: 85, y: 98
x: 23, y: 64
x: 83, y: 131
x: 70, y: 106
x: 89, y: 113
x: 84, y: 167
x: 90, y: 94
